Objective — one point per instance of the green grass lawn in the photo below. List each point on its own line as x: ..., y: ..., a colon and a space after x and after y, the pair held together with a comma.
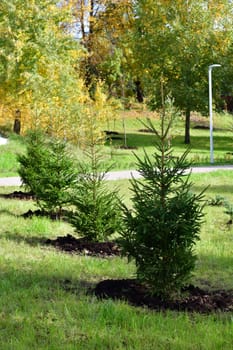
x: 8, y: 155
x: 44, y: 305
x: 200, y: 140
x: 138, y: 141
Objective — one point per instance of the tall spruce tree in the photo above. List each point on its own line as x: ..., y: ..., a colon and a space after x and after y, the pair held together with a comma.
x: 161, y: 230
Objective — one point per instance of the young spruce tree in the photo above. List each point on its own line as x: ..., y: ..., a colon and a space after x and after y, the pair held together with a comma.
x: 47, y: 170
x: 161, y: 230
x: 96, y: 214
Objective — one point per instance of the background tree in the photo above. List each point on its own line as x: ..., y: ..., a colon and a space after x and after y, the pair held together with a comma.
x: 39, y: 64
x: 179, y: 40
x: 102, y: 27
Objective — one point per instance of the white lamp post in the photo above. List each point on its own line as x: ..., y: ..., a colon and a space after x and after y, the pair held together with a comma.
x: 210, y: 111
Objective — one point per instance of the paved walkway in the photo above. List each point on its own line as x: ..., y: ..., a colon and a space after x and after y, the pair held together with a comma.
x: 120, y: 175
x: 3, y: 140
x: 127, y: 174
x: 10, y: 181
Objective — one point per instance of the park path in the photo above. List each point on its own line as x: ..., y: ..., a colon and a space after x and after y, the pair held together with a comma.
x: 123, y: 174
x: 128, y: 174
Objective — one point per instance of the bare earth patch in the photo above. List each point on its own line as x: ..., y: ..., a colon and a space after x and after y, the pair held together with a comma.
x: 19, y: 195
x: 192, y: 299
x: 71, y: 244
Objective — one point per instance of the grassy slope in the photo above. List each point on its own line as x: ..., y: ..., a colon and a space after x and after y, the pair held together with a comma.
x: 44, y: 305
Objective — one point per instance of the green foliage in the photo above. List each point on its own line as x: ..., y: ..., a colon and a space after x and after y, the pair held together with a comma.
x: 217, y: 201
x: 47, y: 170
x: 229, y: 211
x: 96, y: 215
x: 179, y: 40
x: 163, y: 227
x: 39, y: 73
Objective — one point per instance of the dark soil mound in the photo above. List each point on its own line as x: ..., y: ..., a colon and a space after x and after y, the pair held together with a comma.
x: 112, y: 135
x: 192, y: 299
x: 110, y: 132
x: 201, y: 127
x: 146, y: 131
x: 42, y: 213
x: 19, y: 195
x: 206, y: 127
x: 114, y: 138
x: 127, y: 147
x: 83, y: 246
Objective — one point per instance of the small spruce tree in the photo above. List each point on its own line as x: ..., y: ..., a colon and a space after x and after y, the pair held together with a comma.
x: 48, y: 171
x: 96, y: 215
x: 161, y: 230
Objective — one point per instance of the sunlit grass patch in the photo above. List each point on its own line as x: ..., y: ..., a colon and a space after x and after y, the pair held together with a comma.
x: 8, y: 155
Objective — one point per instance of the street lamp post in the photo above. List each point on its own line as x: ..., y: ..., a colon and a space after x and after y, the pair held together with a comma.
x: 210, y: 111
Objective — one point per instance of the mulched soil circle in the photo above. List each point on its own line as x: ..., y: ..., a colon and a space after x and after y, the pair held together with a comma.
x: 110, y: 132
x: 71, y: 244
x: 206, y: 127
x: 149, y: 131
x: 112, y: 135
x: 127, y: 147
x: 201, y: 127
x: 19, y: 195
x: 42, y: 213
x: 114, y: 138
x: 192, y: 299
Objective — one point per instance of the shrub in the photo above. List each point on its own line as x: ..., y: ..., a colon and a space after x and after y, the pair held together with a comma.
x: 47, y: 170
x: 160, y: 232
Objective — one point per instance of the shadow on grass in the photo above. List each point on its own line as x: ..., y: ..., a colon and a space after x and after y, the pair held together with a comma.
x: 65, y: 283
x: 216, y: 260
x: 214, y: 189
x: 6, y: 212
x: 32, y: 240
x: 221, y: 143
x: 216, y: 271
x: 47, y: 282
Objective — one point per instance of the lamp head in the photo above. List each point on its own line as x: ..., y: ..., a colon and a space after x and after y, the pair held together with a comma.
x: 214, y: 65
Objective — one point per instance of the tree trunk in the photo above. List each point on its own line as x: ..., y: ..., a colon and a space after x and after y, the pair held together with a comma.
x: 82, y: 20
x: 139, y: 92
x: 17, y: 122
x: 187, y: 126
x: 91, y: 30
x: 90, y: 69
